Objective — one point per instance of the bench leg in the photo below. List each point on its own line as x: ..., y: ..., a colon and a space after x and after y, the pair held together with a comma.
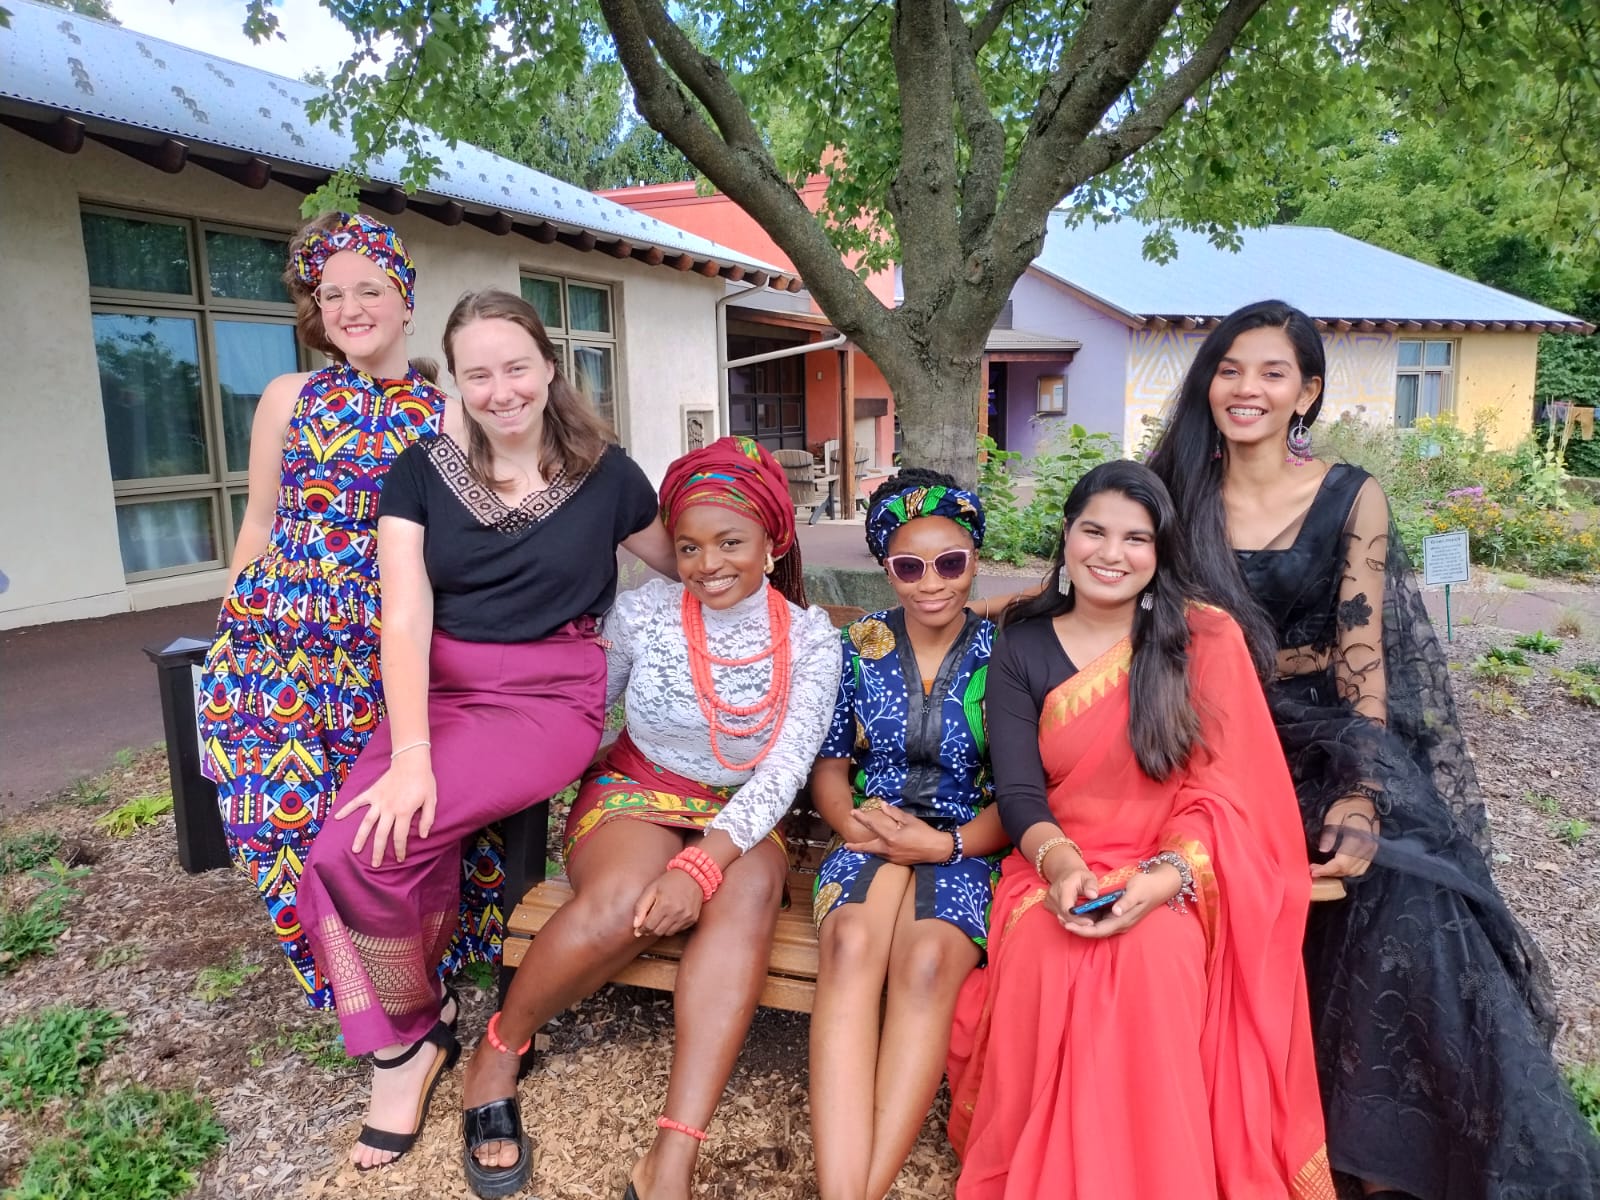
x: 527, y: 838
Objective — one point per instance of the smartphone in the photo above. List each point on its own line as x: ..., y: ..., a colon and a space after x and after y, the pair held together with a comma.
x: 1099, y: 908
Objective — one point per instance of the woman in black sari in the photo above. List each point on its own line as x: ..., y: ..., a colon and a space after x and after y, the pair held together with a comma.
x: 1431, y: 1008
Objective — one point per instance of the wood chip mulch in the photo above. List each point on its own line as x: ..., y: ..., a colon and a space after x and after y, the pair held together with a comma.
x: 142, y: 930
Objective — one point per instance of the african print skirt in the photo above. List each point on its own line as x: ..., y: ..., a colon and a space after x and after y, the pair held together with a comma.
x: 958, y: 893
x: 625, y: 785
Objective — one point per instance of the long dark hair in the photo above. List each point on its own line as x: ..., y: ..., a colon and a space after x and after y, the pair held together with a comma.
x: 574, y: 435
x: 1189, y: 458
x: 1162, y: 725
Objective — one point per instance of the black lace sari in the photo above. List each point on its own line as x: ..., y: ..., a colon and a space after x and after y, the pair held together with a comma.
x: 1431, y: 1007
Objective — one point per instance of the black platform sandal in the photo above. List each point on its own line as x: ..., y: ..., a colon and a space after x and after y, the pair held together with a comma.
x: 386, y: 1140
x: 497, y: 1121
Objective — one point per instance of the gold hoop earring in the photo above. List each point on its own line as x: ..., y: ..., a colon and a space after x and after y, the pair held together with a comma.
x: 771, y: 564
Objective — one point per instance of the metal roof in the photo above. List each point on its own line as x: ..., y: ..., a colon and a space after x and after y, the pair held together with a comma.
x: 1023, y: 341
x: 113, y: 77
x: 1324, y: 273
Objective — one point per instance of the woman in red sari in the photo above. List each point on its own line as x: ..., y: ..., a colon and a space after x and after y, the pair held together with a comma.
x: 1160, y: 1047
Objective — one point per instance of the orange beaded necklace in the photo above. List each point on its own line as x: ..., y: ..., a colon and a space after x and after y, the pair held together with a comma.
x: 776, y: 701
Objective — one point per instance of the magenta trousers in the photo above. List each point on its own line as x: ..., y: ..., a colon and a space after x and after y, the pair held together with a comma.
x: 511, y: 725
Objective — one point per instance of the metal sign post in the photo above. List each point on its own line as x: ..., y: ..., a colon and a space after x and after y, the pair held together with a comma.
x: 1446, y: 559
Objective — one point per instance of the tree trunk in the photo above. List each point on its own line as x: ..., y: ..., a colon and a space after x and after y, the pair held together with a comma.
x: 937, y: 402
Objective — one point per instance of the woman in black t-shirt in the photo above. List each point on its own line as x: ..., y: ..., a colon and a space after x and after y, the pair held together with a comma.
x: 497, y: 558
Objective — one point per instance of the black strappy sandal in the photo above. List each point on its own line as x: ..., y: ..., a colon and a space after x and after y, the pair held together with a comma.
x: 388, y: 1141
x: 496, y: 1121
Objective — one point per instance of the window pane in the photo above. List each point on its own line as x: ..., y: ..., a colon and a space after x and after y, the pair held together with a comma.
x: 545, y: 296
x: 591, y: 308
x: 1439, y: 354
x: 1410, y: 353
x: 592, y: 370
x: 140, y: 256
x: 166, y: 533
x: 150, y: 388
x: 1405, y: 401
x: 1432, y: 394
x: 236, y: 505
x: 249, y: 355
x: 241, y: 267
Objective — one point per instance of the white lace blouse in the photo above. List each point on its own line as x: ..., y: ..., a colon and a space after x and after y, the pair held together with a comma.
x: 648, y: 661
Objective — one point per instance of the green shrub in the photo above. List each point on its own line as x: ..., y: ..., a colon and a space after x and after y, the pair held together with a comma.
x: 135, y: 814
x: 1539, y: 642
x: 50, y: 1053
x: 1585, y: 1083
x: 1015, y: 532
x: 27, y: 851
x: 133, y: 1144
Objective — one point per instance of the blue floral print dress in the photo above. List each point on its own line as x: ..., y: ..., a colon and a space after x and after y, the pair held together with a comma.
x: 921, y: 751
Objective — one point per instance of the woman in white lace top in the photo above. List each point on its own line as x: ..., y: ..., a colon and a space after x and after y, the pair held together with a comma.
x: 729, y: 683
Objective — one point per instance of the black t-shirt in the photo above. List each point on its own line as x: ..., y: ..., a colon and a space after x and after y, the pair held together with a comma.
x: 504, y: 574
x: 1026, y: 665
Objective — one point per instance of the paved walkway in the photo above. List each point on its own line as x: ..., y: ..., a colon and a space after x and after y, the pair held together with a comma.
x: 74, y: 693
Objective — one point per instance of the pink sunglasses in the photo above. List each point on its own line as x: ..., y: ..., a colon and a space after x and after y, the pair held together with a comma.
x: 909, y: 568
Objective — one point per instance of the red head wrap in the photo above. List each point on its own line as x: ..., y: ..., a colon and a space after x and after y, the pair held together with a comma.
x: 737, y: 474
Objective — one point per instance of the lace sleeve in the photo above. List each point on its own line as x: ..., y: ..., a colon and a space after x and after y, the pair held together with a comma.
x: 759, y: 804
x: 1358, y: 661
x: 621, y: 631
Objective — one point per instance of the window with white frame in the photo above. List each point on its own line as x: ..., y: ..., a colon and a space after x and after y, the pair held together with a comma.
x: 1424, y: 383
x: 581, y: 321
x: 191, y: 320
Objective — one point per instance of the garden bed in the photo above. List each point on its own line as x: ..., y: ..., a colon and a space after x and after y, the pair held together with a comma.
x: 187, y: 963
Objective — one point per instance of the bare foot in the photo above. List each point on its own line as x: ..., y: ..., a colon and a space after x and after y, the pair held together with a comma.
x: 491, y: 1076
x: 396, y: 1092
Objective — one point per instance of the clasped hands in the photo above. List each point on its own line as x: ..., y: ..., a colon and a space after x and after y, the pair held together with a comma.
x: 896, y: 836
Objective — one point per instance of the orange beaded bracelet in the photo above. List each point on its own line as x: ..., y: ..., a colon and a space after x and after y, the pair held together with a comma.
x: 698, y: 1135
x: 700, y: 867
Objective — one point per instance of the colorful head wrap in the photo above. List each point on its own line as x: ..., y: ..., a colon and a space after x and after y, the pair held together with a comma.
x: 737, y: 474
x: 363, y: 235
x: 920, y: 500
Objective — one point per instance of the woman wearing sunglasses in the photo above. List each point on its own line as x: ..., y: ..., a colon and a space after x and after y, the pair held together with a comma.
x: 903, y: 897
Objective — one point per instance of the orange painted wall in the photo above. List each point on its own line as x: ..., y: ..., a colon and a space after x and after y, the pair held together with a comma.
x: 717, y: 217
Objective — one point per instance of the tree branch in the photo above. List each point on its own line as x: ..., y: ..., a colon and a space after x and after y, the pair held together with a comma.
x: 744, y: 173
x: 700, y: 74
x: 990, y: 22
x: 986, y: 137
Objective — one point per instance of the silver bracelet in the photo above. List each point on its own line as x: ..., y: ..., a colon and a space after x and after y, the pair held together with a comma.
x: 409, y: 746
x: 1186, y: 893
x: 957, y: 851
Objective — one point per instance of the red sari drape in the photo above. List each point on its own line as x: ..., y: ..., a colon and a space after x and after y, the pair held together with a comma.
x: 1173, y: 1060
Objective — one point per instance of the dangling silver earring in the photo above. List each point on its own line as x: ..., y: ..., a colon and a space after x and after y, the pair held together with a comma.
x: 1298, y: 439
x: 410, y: 327
x: 1216, y: 444
x: 1064, y: 582
x: 1147, y: 601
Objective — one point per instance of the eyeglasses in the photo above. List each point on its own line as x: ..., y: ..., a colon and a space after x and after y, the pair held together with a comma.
x: 365, y: 294
x: 909, y: 568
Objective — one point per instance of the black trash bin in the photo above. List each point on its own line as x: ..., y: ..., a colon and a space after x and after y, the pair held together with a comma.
x: 201, y: 846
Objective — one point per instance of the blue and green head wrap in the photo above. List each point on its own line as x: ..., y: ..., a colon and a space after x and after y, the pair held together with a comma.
x: 895, y: 508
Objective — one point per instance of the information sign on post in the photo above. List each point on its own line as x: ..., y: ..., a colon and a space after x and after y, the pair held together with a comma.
x: 1446, y: 560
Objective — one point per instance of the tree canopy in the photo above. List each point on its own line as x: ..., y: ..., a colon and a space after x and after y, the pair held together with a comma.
x: 950, y: 129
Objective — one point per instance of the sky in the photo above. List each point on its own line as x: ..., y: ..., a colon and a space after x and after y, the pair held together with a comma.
x: 312, y: 37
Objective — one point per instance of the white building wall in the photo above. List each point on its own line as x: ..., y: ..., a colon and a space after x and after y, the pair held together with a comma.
x: 58, y: 532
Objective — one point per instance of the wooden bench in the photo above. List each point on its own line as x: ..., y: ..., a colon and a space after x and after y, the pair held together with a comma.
x: 792, y: 969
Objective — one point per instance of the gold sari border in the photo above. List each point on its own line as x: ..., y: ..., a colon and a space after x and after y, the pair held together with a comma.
x: 1088, y: 685
x: 1314, y: 1181
x: 1208, y: 899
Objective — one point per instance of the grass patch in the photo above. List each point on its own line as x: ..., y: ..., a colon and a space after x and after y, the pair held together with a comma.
x: 1584, y: 1081
x: 321, y: 1046
x: 1499, y: 665
x: 31, y: 929
x: 1539, y: 642
x: 220, y: 982
x: 26, y: 851
x: 1517, y: 583
x: 50, y: 1054
x: 1569, y: 623
x: 87, y: 793
x: 1571, y: 832
x: 133, y: 1144
x: 125, y: 819
x: 1499, y: 702
x: 1543, y: 801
